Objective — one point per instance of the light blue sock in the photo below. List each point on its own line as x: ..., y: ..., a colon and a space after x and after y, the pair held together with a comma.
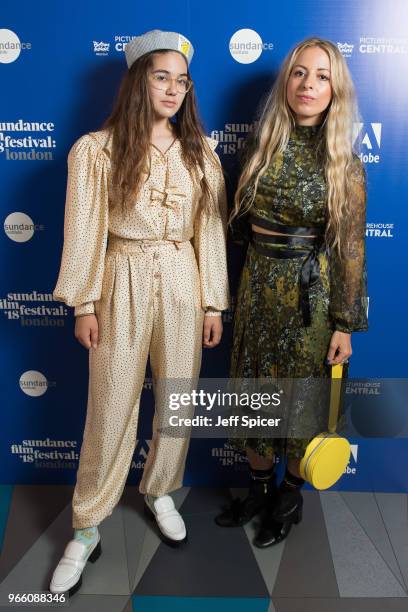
x: 87, y: 536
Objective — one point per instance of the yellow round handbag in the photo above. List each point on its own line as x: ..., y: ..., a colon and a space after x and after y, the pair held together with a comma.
x: 327, y: 455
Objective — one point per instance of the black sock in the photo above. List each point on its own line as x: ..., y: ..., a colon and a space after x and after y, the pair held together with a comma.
x: 262, y: 475
x: 291, y: 482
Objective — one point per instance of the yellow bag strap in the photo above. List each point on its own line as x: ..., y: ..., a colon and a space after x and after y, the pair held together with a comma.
x: 335, y: 393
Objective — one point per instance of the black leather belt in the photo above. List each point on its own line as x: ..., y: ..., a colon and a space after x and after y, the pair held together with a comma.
x: 310, y: 269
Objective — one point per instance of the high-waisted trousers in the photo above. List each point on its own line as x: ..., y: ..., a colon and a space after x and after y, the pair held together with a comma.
x: 150, y: 304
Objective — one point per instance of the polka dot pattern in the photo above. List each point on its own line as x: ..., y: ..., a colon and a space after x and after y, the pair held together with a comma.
x: 149, y: 278
x: 166, y: 209
x: 150, y: 303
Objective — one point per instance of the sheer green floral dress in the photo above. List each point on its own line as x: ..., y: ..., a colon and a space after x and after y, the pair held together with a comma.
x: 271, y: 338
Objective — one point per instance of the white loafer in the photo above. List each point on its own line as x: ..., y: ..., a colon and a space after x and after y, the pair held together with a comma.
x: 67, y: 575
x: 168, y: 519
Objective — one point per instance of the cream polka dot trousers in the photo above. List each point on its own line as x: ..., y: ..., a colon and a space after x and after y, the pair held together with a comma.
x: 150, y: 276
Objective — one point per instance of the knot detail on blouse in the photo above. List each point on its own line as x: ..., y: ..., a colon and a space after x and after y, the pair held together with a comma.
x: 171, y: 197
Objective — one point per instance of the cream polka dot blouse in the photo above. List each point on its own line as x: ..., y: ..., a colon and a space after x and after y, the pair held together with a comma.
x: 166, y: 209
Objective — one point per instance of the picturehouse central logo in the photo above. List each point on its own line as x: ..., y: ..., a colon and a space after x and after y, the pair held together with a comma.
x: 246, y: 46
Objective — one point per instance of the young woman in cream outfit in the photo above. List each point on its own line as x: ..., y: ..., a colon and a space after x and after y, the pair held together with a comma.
x: 152, y: 191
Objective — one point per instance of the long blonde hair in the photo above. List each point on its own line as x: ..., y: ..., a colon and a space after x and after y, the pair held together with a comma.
x: 273, y: 132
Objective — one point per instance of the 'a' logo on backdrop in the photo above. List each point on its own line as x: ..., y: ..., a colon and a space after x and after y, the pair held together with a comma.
x: 142, y: 448
x: 354, y: 451
x: 371, y: 134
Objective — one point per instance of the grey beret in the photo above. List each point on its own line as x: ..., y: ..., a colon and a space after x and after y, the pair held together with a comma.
x: 155, y: 40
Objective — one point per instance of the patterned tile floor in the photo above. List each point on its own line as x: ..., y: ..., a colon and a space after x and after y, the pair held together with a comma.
x: 349, y: 554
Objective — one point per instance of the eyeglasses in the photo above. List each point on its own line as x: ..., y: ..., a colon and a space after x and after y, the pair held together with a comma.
x: 162, y: 81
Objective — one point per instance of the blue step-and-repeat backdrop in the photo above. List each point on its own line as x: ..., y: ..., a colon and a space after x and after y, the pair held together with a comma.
x: 60, y: 66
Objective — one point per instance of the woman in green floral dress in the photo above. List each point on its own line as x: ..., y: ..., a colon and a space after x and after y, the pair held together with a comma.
x: 301, y: 199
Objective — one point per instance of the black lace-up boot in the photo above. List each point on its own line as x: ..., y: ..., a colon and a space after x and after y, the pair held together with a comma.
x: 239, y: 512
x: 282, y: 511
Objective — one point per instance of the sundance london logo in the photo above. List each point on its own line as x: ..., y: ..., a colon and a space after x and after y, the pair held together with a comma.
x: 19, y: 143
x: 33, y: 383
x: 246, y: 46
x: 10, y: 46
x: 19, y: 227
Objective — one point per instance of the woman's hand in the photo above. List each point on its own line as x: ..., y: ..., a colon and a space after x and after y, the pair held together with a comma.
x: 340, y: 348
x: 86, y: 330
x: 212, y: 331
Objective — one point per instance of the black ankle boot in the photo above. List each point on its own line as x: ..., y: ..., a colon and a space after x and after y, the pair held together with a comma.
x: 240, y: 512
x: 282, y: 511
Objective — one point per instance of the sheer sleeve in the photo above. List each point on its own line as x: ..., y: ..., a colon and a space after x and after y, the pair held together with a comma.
x: 79, y: 281
x: 210, y: 243
x: 348, y: 275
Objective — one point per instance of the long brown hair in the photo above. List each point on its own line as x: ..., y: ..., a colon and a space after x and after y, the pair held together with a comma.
x: 131, y: 122
x: 273, y: 133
